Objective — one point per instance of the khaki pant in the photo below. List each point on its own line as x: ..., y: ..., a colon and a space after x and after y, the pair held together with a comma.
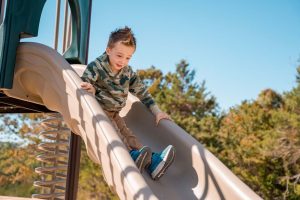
x: 126, y: 135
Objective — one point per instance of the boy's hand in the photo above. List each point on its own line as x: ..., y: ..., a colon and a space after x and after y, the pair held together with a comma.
x: 88, y: 87
x: 160, y: 116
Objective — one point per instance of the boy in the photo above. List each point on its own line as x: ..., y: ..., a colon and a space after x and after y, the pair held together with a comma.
x: 110, y: 78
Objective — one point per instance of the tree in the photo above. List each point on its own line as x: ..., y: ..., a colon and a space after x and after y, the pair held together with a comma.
x: 178, y: 94
x: 258, y: 140
x: 270, y: 99
x: 17, y: 170
x: 187, y: 102
x: 17, y: 154
x: 261, y: 143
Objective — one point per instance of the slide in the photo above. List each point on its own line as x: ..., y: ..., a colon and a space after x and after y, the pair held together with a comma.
x: 43, y: 76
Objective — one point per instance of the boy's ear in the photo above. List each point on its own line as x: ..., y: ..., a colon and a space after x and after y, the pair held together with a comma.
x: 107, y: 50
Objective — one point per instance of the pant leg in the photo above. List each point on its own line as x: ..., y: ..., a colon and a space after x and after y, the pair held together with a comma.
x: 128, y: 138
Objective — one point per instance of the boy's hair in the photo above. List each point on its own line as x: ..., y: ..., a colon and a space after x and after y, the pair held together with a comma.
x: 125, y: 35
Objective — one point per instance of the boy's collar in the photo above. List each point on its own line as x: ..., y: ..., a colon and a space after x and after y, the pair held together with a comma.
x: 104, y: 59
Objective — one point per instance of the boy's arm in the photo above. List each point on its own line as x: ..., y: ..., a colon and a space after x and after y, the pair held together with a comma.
x: 159, y: 115
x: 90, y: 73
x: 90, y: 76
x: 88, y: 87
x: 138, y: 88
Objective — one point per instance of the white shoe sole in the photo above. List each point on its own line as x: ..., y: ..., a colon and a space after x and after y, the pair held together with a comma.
x: 164, y: 165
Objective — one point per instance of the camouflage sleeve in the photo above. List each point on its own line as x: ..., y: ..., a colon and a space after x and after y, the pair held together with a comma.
x: 90, y: 74
x: 139, y: 89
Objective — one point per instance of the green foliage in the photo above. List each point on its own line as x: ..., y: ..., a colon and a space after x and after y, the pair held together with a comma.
x: 17, y: 170
x: 270, y: 99
x: 261, y: 145
x: 178, y: 95
x: 22, y: 128
x: 17, y: 157
x: 292, y: 98
x: 298, y: 75
x: 19, y: 189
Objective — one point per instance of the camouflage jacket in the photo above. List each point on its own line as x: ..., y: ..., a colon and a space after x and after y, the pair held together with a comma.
x: 112, y: 89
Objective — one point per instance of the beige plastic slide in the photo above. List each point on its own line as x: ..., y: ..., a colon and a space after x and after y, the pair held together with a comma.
x: 43, y: 76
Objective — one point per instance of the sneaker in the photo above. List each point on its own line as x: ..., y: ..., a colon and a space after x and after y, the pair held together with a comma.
x: 160, y: 162
x: 141, y: 157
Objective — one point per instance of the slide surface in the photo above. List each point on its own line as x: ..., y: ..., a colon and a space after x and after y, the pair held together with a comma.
x: 43, y: 76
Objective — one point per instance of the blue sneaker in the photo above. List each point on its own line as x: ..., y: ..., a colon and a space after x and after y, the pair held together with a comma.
x: 141, y: 157
x: 160, y: 162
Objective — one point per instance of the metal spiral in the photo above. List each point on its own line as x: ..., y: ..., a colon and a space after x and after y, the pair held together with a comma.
x: 54, y: 158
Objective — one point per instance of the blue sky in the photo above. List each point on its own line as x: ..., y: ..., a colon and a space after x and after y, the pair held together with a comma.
x: 238, y: 47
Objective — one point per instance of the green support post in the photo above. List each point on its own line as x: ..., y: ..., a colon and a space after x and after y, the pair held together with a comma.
x: 78, y: 50
x: 22, y: 19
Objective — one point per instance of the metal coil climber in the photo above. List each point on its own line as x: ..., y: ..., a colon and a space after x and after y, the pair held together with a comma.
x: 54, y: 158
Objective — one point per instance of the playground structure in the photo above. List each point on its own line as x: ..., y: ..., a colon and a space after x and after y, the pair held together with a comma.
x: 35, y: 77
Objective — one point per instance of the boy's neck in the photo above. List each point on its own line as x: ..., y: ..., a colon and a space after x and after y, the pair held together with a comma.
x: 113, y: 70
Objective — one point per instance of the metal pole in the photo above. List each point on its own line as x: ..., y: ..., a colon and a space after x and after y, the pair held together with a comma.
x: 73, y: 167
x: 2, y: 11
x: 56, y: 24
x: 89, y: 30
x: 69, y: 30
x: 65, y: 26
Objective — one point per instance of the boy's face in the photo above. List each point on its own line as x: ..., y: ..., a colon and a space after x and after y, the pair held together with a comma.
x: 119, y: 56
